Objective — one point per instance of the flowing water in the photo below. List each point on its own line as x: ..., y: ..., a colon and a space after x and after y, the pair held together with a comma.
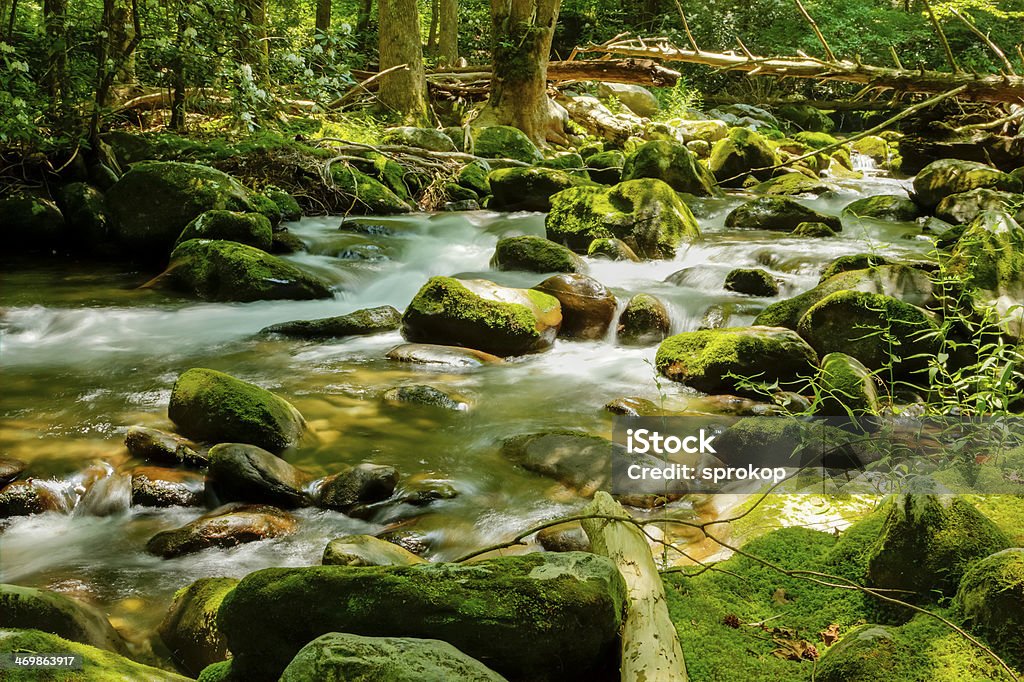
x: 85, y: 354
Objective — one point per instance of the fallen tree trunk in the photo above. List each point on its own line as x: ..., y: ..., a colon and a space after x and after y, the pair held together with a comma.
x: 650, y: 645
x: 820, y: 104
x: 597, y: 120
x: 979, y: 88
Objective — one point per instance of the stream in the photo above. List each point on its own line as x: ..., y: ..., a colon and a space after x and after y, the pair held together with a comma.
x: 85, y: 354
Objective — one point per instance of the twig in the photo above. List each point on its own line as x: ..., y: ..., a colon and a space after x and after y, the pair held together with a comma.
x: 985, y: 39
x: 1013, y: 116
x: 942, y: 36
x: 362, y: 86
x: 686, y: 27
x: 817, y: 31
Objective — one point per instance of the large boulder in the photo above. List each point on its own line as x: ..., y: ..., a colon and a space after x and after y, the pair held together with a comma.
x: 366, y: 550
x: 482, y: 315
x: 989, y: 258
x: 588, y: 307
x: 939, y: 179
x: 672, y: 163
x: 430, y: 139
x: 845, y: 387
x: 365, y: 483
x: 606, y: 167
x: 219, y: 270
x: 245, y: 473
x: 645, y: 321
x: 710, y: 360
x: 535, y: 254
x: 505, y: 142
x: 189, y: 629
x: 153, y: 202
x: 805, y: 117
x: 358, y: 323
x: 24, y: 498
x: 777, y: 213
x: 991, y: 598
x: 32, y: 609
x: 528, y: 189
x: 32, y: 224
x: 212, y: 406
x: 645, y: 214
x: 85, y: 213
x: 793, y: 184
x: 637, y: 98
x: 873, y: 653
x: 252, y: 229
x: 227, y: 526
x: 708, y: 131
x: 743, y: 152
x: 964, y: 207
x: 537, y: 616
x: 883, y: 207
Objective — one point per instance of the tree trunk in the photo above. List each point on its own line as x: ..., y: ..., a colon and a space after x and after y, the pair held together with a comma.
x: 363, y: 23
x: 403, y: 92
x: 448, y: 32
x: 5, y: 17
x: 521, y: 33
x: 56, y: 77
x: 323, y: 16
x: 432, y: 34
x: 253, y: 42
x: 121, y: 36
x: 178, y: 78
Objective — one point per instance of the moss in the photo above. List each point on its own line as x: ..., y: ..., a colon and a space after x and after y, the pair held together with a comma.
x: 846, y: 387
x: 369, y: 195
x: 357, y: 323
x: 1007, y: 511
x: 570, y: 162
x: 85, y: 212
x: 424, y: 138
x: 815, y: 140
x: 505, y: 142
x: 751, y: 281
x: 213, y: 406
x: 535, y: 254
x: 741, y: 153
x: 190, y: 627
x: 883, y: 207
x: 645, y: 321
x: 265, y: 206
x: 30, y: 608
x: 941, y: 178
x: 873, y: 146
x: 252, y: 229
x: 646, y: 214
x: 474, y: 176
x: 805, y: 117
x: 612, y: 249
x: 672, y: 163
x: 777, y: 213
x: 860, y: 261
x: 991, y: 598
x: 606, y: 167
x: 31, y: 223
x: 792, y: 184
x: 218, y: 672
x: 528, y: 189
x: 990, y: 254
x: 813, y: 230
x: 286, y: 203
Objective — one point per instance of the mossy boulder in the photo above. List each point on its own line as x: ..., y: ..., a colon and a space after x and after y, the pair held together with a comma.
x: 85, y: 213
x: 857, y: 261
x: 535, y: 254
x: 846, y: 387
x: 606, y: 167
x: 588, y: 307
x: 944, y: 177
x: 872, y: 653
x: 645, y: 321
x: 344, y: 657
x: 364, y: 483
x: 645, y: 214
x: 610, y: 248
x: 991, y: 599
x: 219, y: 270
x: 239, y: 472
x: 884, y: 207
x: 672, y: 163
x: 189, y: 629
x: 989, y: 257
x: 212, y: 406
x: 570, y: 162
x: 32, y: 224
x: 528, y: 189
x: 153, y: 202
x: 252, y: 229
x: 286, y: 203
x: 32, y: 609
x: 872, y: 146
x: 482, y: 315
x: 474, y: 176
x: 266, y: 207
x: 358, y: 323
x: 805, y: 117
x: 537, y: 616
x: 430, y: 139
x: 793, y: 184
x: 751, y: 281
x: 928, y: 542
x: 579, y: 461
x: 958, y: 209
x: 367, y: 550
x: 227, y: 526
x: 98, y: 665
x: 707, y: 131
x: 743, y: 152
x: 505, y: 142
x: 710, y: 360
x: 813, y: 230
x: 365, y: 194
x: 815, y: 139
x: 777, y: 213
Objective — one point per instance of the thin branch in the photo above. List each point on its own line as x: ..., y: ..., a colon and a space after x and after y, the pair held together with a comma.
x: 942, y: 36
x: 362, y: 86
x: 985, y: 39
x: 686, y: 27
x: 817, y: 31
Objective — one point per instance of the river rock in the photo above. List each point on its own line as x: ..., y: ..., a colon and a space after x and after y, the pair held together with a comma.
x: 672, y: 163
x: 568, y: 537
x: 606, y: 167
x: 644, y: 322
x: 32, y: 609
x: 161, y: 447
x: 482, y: 315
x: 705, y: 359
x: 368, y: 195
x: 505, y: 142
x: 869, y: 653
x: 286, y: 203
x: 488, y: 610
x: 637, y: 98
x: 813, y: 230
x: 32, y: 224
x: 189, y: 629
x: 739, y: 154
x: 441, y: 356
x: 10, y: 469
x: 884, y: 207
x: 474, y: 176
x: 588, y: 307
x: 358, y: 323
x: 24, y: 498
x: 633, y: 406
x: 366, y: 550
x: 430, y: 139
x: 213, y: 406
x: 752, y: 281
x: 535, y: 254
x: 246, y: 473
x: 709, y: 131
x: 942, y: 178
x: 991, y: 598
x: 794, y: 184
x: 777, y: 213
x: 846, y: 387
x: 227, y: 526
x: 646, y: 214
x: 365, y: 483
x: 958, y: 209
x: 219, y: 270
x: 424, y: 395
x: 161, y: 487
x: 857, y: 261
x: 745, y: 114
x: 284, y: 242
x: 610, y: 248
x: 528, y: 189
x: 576, y: 460
x: 805, y: 117
x: 85, y: 214
x: 252, y: 229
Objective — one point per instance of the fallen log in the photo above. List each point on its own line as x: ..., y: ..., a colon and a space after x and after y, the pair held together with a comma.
x: 598, y: 121
x: 820, y: 104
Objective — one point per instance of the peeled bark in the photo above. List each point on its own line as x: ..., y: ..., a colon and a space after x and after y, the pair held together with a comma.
x: 403, y: 92
x: 448, y: 32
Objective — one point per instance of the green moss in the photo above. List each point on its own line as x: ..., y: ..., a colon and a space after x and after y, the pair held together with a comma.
x: 883, y: 207
x: 846, y: 387
x: 474, y: 176
x: 672, y: 163
x: 1007, y: 511
x: 990, y: 254
x: 535, y: 254
x: 606, y: 167
x: 815, y: 140
x: 30, y: 608
x: 570, y: 162
x: 286, y: 203
x: 860, y: 261
x: 369, y: 195
x: 505, y: 142
x: 944, y: 177
x: 991, y: 598
x: 357, y: 323
x: 813, y: 230
x: 873, y: 146
x: 805, y: 117
x: 792, y: 184
x: 743, y: 151
x: 777, y: 213
x: 190, y: 627
x: 252, y: 229
x: 218, y: 672
x: 751, y: 281
x: 528, y: 189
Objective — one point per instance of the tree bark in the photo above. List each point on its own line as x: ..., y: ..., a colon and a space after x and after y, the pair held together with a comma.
x: 363, y: 17
x: 448, y: 32
x: 521, y: 33
x: 56, y: 77
x: 121, y: 36
x: 253, y: 42
x: 5, y: 14
x: 435, y: 15
x: 323, y: 16
x: 178, y: 79
x: 403, y: 92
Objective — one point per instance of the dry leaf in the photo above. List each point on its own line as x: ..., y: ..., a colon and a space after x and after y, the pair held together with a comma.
x: 779, y: 596
x: 830, y: 635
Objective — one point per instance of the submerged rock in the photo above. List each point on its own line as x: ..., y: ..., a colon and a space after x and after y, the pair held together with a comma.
x: 884, y: 207
x: 489, y: 610
x: 33, y: 609
x: 576, y: 460
x: 358, y: 323
x: 743, y: 152
x: 588, y: 307
x: 752, y: 281
x: 189, y: 629
x: 424, y: 395
x: 644, y: 322
x: 777, y: 213
x: 991, y: 598
x: 672, y: 163
x: 482, y: 315
x: 366, y: 550
x: 161, y: 487
x: 251, y: 229
x: 528, y: 189
x: 213, y: 406
x: 365, y: 483
x: 535, y: 254
x: 942, y: 178
x: 10, y: 469
x: 444, y: 356
x: 227, y: 526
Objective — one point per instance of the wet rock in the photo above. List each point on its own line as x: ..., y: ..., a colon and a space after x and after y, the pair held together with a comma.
x: 422, y: 493
x: 24, y: 498
x: 213, y: 406
x: 752, y: 281
x: 158, y: 446
x: 284, y: 242
x: 606, y: 167
x: 482, y: 315
x: 32, y: 224
x: 634, y: 407
x: 794, y: 184
x: 10, y: 469
x: 644, y: 322
x: 610, y: 248
x: 846, y: 387
x: 251, y: 229
x: 365, y: 483
x: 577, y: 460
x: 32, y: 609
x: 366, y: 550
x: 227, y: 526
x: 368, y: 194
x: 565, y: 538
x: 777, y: 213
x: 528, y: 189
x: 424, y: 395
x: 505, y: 142
x: 85, y: 214
x: 672, y: 163
x: 813, y: 230
x: 286, y: 203
x: 939, y: 179
x: 964, y: 207
x: 189, y: 629
x: 884, y: 207
x: 645, y: 214
x: 246, y: 473
x: 474, y: 176
x: 430, y: 139
x: 218, y: 270
x: 160, y: 487
x: 991, y: 598
x: 359, y: 323
x: 445, y: 356
x: 519, y: 635
x: 535, y: 254
x: 709, y: 360
x: 737, y: 155
x: 409, y: 540
x: 465, y: 205
x: 588, y: 307
x: 708, y: 131
x: 859, y: 261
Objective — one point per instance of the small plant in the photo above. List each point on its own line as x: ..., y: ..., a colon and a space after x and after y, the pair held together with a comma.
x: 678, y: 101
